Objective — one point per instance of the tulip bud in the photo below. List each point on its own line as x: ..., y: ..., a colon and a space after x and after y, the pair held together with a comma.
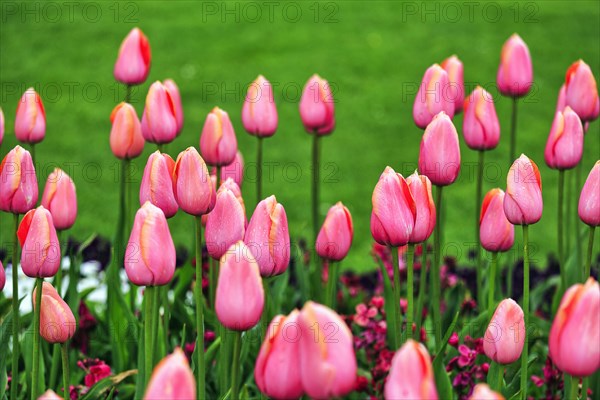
x: 564, y: 147
x: 505, y: 335
x: 172, y: 379
x: 218, y: 144
x: 18, y: 183
x: 523, y: 202
x: 515, y: 74
x: 335, y: 237
x: 225, y: 224
x: 231, y: 185
x: 173, y: 90
x: 561, y: 101
x: 454, y: 68
x: 574, y: 340
x: 394, y: 210
x: 159, y: 121
x: 126, y: 140
x: 193, y: 188
x: 133, y: 62
x: 420, y: 189
x: 481, y: 391
x: 240, y: 297
x: 589, y: 201
x: 235, y: 170
x: 276, y: 372
x: 259, y: 113
x: 411, y: 374
x: 40, y: 257
x: 481, y: 128
x: 30, y: 122
x: 581, y: 93
x: 439, y: 157
x: 1, y: 126
x: 57, y: 323
x: 157, y: 183
x: 268, y: 238
x: 2, y: 277
x: 150, y: 253
x: 496, y: 233
x: 60, y: 199
x: 317, y: 106
x: 49, y: 395
x: 327, y: 359
x: 433, y: 97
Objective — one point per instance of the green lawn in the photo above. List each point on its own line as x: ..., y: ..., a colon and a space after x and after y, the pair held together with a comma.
x: 374, y: 54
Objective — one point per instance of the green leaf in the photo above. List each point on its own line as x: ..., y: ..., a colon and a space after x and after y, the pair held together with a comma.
x: 103, y: 387
x: 388, y: 305
x: 5, y: 333
x: 439, y: 355
x: 442, y: 381
x: 494, y: 377
x: 514, y: 386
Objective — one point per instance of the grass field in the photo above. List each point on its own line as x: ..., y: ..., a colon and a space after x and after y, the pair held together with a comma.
x: 373, y: 53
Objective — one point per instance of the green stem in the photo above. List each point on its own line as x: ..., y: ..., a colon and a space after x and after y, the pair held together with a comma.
x: 32, y: 152
x: 509, y: 277
x: 584, y: 387
x: 478, y: 193
x: 212, y: 277
x: 15, y: 307
x: 259, y: 162
x: 36, y: 339
x: 155, y: 322
x: 264, y: 318
x: 588, y: 260
x: 317, y: 271
x: 492, y: 284
x: 148, y: 331
x: 160, y: 147
x: 397, y: 310
x: 513, y: 132
x: 54, y: 366
x: 561, y: 251
x: 500, y: 378
x: 525, y: 355
x: 574, y: 388
x: 435, y: 271
x: 578, y: 186
x: 199, y: 313
x: 218, y: 177
x: 331, y: 284
x: 58, y: 276
x: 569, y: 182
x: 422, y: 288
x: 127, y: 93
x: 64, y: 347
x: 235, y: 365
x: 410, y: 255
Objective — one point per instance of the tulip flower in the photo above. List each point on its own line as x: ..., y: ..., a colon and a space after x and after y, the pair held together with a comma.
x: 159, y: 122
x: 317, y: 106
x: 496, y: 232
x: 523, y: 203
x: 581, y: 92
x: 1, y: 126
x: 60, y: 199
x: 49, y: 395
x: 225, y: 224
x: 589, y: 201
x: 192, y: 186
x: 173, y: 90
x: 574, y: 341
x: 259, y: 113
x: 481, y: 128
x: 268, y: 238
x: 276, y: 371
x: 335, y: 237
x: 327, y: 360
x: 231, y: 185
x: 133, y: 62
x: 411, y: 374
x: 515, y: 74
x: 481, y: 391
x: 218, y: 144
x: 564, y: 147
x: 157, y: 183
x: 40, y: 257
x: 505, y: 335
x: 420, y: 189
x: 30, y: 122
x: 2, y: 277
x: 18, y: 183
x: 57, y: 322
x: 454, y: 68
x: 439, y: 157
x: 235, y: 170
x: 433, y: 97
x: 126, y: 140
x: 172, y: 379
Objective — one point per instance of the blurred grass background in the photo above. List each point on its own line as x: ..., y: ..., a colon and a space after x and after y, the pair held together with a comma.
x: 373, y: 53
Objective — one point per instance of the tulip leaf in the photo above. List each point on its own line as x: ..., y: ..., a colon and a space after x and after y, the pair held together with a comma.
x: 103, y: 387
x: 388, y: 295
x: 514, y: 386
x: 495, y: 375
x: 439, y: 355
x: 5, y: 333
x: 442, y: 381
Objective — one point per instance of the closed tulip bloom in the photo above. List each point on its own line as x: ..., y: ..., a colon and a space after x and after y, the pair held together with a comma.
x: 433, y: 97
x: 159, y: 121
x: 276, y: 371
x: 173, y: 90
x: 564, y: 147
x: 40, y: 257
x: 126, y: 140
x: 259, y: 113
x: 231, y: 185
x: 218, y: 144
x: 589, y: 200
x: 30, y: 122
x: 317, y: 106
x: 505, y: 335
x: 157, y: 183
x: 150, y: 253
x: 235, y: 170
x: 60, y: 199
x: 268, y: 237
x: 240, y: 297
x: 1, y: 126
x: 133, y: 62
x: 496, y: 233
x: 335, y: 237
x: 49, y: 395
x: 574, y: 341
x: 18, y: 183
x: 57, y: 323
x: 515, y: 74
x: 2, y: 276
x: 439, y: 156
x: 481, y: 128
x: 172, y: 379
x: 481, y: 391
x: 581, y: 92
x: 523, y: 202
x: 420, y: 188
x: 193, y: 188
x: 327, y: 359
x: 454, y: 67
x: 225, y: 224
x: 411, y: 374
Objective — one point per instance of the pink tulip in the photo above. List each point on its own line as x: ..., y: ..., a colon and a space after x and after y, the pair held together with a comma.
x: 581, y: 93
x: 523, y: 202
x: 2, y: 277
x: 481, y: 128
x: 133, y: 62
x: 481, y: 391
x: 439, y: 157
x: 411, y: 374
x: 589, y: 200
x: 218, y: 144
x: 235, y: 170
x: 335, y: 237
x: 40, y: 257
x: 160, y: 122
x: 268, y: 237
x: 231, y: 185
x: 60, y: 199
x: 515, y: 74
x: 49, y: 395
x: 240, y: 297
x: 434, y: 96
x: 225, y: 224
x: 173, y: 90
x: 192, y: 186
x: 317, y: 106
x: 505, y: 335
x: 276, y: 371
x: 150, y: 252
x: 259, y: 113
x: 327, y: 359
x: 1, y: 126
x: 157, y: 183
x: 454, y: 68
x: 126, y: 140
x: 172, y: 379
x: 57, y: 322
x: 564, y: 147
x: 574, y: 341
x: 561, y: 101
x: 394, y: 210
x: 420, y: 188
x: 496, y: 233
x: 30, y: 122
x: 18, y: 183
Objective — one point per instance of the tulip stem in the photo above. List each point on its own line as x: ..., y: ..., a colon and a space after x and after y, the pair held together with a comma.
x: 574, y: 388
x: 127, y: 93
x: 584, y: 387
x: 317, y: 272
x: 264, y: 317
x: 64, y: 347
x: 435, y: 271
x: 15, y: 307
x: 578, y: 173
x: 212, y: 284
x: 561, y: 250
x: 513, y: 132
x: 525, y: 355
x: 422, y: 288
x: 36, y: 339
x: 410, y: 256
x: 235, y: 365
x: 478, y: 269
x: 492, y: 284
x: 397, y: 310
x: 331, y: 284
x: 199, y: 314
x: 588, y: 260
x: 148, y: 331
x: 32, y: 151
x: 259, y: 162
